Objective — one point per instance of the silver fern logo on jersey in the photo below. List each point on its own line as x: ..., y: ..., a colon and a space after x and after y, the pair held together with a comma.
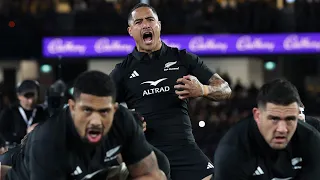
x: 167, y: 66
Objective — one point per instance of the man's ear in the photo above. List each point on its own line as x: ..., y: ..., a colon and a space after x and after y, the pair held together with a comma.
x: 71, y: 104
x: 256, y: 115
x: 129, y: 31
x: 19, y: 96
x: 116, y: 106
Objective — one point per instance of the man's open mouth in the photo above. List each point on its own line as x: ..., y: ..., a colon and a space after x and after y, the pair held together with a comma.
x: 147, y: 37
x: 280, y: 139
x: 94, y: 135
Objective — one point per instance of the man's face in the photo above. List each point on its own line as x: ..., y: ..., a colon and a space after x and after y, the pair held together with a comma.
x: 28, y: 100
x: 92, y: 116
x: 277, y: 123
x: 145, y: 29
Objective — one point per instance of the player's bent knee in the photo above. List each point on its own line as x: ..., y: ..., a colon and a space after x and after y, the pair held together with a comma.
x: 208, y: 177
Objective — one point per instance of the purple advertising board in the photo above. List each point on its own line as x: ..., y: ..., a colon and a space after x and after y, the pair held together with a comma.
x: 245, y: 44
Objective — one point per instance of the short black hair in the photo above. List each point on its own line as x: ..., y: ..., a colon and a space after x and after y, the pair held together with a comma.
x: 94, y: 83
x: 139, y: 5
x: 279, y: 92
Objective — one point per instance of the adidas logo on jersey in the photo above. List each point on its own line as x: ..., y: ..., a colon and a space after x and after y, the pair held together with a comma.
x: 77, y: 171
x: 210, y: 166
x: 134, y: 74
x: 258, y: 172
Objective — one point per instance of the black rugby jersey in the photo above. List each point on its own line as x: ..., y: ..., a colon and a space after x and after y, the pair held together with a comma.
x: 314, y: 122
x: 243, y: 154
x: 54, y: 150
x: 147, y: 85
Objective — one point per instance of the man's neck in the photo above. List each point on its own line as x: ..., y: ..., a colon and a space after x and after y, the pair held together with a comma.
x: 157, y: 47
x: 26, y: 108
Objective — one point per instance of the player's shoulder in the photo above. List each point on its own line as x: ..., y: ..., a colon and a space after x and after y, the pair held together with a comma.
x: 183, y: 53
x: 306, y: 131
x: 52, y: 129
x: 122, y: 123
x: 122, y: 116
x: 41, y: 107
x: 126, y: 63
x: 238, y: 136
x: 313, y: 121
x: 238, y: 131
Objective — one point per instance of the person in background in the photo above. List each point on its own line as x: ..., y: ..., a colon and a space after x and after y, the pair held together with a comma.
x: 55, y: 97
x: 7, y: 156
x: 18, y: 118
x: 314, y: 122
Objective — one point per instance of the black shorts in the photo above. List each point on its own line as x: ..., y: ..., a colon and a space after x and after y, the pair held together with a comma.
x: 188, y: 162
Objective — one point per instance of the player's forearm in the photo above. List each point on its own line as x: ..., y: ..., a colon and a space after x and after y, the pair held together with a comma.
x: 218, y: 89
x: 156, y: 175
x: 146, y: 169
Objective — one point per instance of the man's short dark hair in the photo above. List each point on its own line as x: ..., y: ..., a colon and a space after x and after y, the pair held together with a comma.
x: 94, y: 83
x: 279, y: 92
x: 139, y: 5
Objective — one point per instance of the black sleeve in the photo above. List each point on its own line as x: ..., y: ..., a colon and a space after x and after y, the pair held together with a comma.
x: 135, y: 147
x: 311, y: 159
x: 117, y: 77
x: 229, y: 164
x: 44, y: 162
x: 197, y: 68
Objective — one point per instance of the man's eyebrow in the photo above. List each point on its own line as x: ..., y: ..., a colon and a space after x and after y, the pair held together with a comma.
x: 291, y: 117
x: 139, y: 19
x: 273, y: 117
x: 94, y: 109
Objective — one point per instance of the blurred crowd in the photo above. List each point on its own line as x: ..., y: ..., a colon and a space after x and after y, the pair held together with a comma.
x: 203, y: 16
x: 35, y: 19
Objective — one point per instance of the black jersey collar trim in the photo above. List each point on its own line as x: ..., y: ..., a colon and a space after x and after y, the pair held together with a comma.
x: 141, y: 55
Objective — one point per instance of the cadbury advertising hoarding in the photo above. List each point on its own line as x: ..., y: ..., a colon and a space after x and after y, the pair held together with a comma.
x: 119, y: 46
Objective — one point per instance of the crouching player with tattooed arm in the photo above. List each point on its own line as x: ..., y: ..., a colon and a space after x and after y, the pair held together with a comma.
x: 80, y: 141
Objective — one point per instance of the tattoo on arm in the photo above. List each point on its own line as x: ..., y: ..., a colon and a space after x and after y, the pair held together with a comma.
x: 218, y: 88
x: 144, y: 167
